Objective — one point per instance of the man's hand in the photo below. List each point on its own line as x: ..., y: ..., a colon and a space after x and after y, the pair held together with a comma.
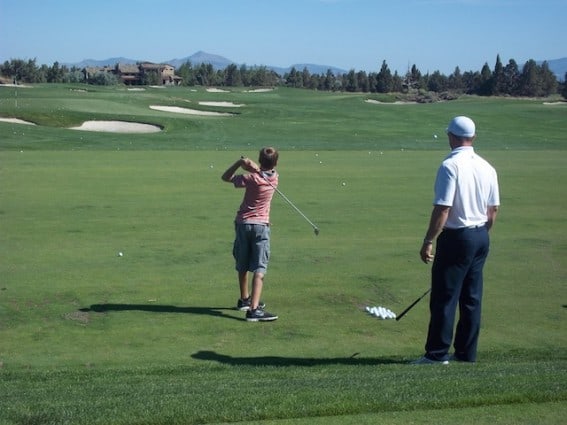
x: 426, y: 252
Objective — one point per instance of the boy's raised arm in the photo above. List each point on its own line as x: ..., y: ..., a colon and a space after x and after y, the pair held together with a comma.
x: 246, y: 163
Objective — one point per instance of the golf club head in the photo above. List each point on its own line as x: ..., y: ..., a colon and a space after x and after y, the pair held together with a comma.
x: 316, y: 231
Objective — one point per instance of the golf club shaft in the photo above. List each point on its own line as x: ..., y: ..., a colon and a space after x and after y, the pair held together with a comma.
x: 291, y: 204
x: 403, y: 313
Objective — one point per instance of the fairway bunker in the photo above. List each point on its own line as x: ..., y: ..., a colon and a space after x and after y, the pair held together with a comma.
x: 222, y: 104
x: 178, y: 110
x: 398, y: 102
x: 117, y: 127
x: 16, y: 121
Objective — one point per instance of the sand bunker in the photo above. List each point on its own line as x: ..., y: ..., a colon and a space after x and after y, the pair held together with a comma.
x: 214, y: 90
x: 188, y: 111
x: 16, y: 86
x: 223, y: 104
x: 259, y: 90
x: 16, y: 121
x: 117, y: 127
x: 377, y: 102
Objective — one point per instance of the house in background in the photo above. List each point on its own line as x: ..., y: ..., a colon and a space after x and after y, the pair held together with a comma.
x: 128, y: 74
x: 166, y: 73
x: 139, y: 74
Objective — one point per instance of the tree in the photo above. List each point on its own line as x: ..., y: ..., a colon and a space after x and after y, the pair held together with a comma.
x: 471, y: 82
x: 293, y: 78
x: 306, y: 78
x: 103, y: 78
x: 484, y: 87
x: 205, y: 75
x: 413, y: 80
x: 437, y: 82
x: 351, y: 82
x: 397, y: 83
x: 329, y: 81
x: 362, y: 81
x: 151, y: 78
x: 384, y: 81
x: 187, y: 73
x: 548, y: 82
x: 455, y: 81
x: 564, y: 89
x: 55, y: 74
x: 74, y: 76
x: 511, y: 78
x: 529, y: 79
x: 262, y: 76
x: 232, y: 76
x: 20, y: 71
x: 498, y: 82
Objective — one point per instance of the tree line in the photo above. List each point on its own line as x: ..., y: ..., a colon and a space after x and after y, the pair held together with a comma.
x: 531, y: 80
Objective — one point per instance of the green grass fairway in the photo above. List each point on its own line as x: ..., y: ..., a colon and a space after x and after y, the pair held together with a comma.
x: 152, y: 337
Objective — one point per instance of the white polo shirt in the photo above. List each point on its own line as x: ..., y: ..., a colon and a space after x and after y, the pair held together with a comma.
x: 469, y: 185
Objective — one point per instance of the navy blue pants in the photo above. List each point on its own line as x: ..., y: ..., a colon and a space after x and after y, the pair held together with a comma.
x: 456, y: 281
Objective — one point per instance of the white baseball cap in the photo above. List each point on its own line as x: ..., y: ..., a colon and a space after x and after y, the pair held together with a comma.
x: 462, y: 127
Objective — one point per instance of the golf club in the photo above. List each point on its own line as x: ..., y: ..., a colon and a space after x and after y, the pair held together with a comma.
x: 403, y: 313
x: 315, y: 228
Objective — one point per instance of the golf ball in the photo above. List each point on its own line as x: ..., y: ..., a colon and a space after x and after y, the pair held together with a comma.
x: 343, y: 183
x: 120, y: 254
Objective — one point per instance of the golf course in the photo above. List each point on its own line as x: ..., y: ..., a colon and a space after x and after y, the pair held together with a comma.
x: 117, y: 281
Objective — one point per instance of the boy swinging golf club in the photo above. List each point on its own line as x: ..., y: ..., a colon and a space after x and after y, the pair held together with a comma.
x: 252, y: 242
x: 251, y: 248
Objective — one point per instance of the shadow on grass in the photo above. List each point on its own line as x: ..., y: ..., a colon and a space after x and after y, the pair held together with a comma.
x: 158, y: 308
x: 293, y: 361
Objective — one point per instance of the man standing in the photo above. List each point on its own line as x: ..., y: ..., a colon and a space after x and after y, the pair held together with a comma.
x: 464, y: 210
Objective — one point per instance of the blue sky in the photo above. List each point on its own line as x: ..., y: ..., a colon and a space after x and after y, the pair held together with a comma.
x: 349, y: 34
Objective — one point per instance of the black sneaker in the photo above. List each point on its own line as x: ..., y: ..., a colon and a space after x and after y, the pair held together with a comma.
x: 259, y: 315
x: 244, y: 304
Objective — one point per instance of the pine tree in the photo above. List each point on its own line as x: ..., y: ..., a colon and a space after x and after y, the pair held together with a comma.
x: 384, y: 81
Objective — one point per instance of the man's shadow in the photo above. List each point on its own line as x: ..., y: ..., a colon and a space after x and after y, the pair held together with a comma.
x: 293, y: 361
x: 158, y: 308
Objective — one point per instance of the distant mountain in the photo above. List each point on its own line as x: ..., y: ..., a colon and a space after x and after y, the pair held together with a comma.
x: 557, y: 66
x: 317, y: 69
x: 100, y: 63
x: 218, y: 62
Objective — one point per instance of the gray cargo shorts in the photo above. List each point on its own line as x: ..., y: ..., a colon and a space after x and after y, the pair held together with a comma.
x: 251, y: 248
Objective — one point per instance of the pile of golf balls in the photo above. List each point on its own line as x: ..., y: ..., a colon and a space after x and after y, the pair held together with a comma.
x: 381, y: 312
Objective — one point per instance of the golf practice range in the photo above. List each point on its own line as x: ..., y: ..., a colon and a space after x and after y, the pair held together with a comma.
x: 117, y: 282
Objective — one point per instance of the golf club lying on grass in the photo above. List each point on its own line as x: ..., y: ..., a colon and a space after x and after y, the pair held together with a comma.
x: 315, y: 228
x: 403, y: 313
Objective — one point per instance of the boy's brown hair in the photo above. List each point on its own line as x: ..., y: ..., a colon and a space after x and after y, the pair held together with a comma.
x: 268, y: 158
